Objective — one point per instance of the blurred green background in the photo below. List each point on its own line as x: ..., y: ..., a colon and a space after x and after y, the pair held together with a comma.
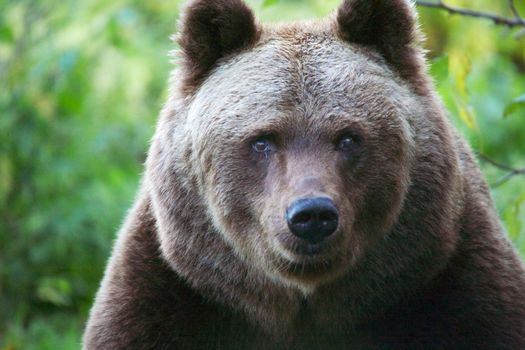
x: 81, y: 83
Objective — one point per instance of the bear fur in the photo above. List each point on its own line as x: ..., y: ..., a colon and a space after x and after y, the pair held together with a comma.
x: 205, y: 258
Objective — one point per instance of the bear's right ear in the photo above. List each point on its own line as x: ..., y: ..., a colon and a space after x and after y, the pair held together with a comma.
x: 210, y: 30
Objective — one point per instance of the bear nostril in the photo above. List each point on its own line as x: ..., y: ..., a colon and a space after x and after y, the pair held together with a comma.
x: 327, y: 216
x: 301, y: 218
x: 312, y: 219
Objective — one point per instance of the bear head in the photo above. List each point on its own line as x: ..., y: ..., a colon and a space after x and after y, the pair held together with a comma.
x: 294, y: 157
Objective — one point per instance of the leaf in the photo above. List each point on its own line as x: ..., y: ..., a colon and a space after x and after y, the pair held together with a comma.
x: 6, y: 34
x: 268, y: 3
x: 6, y: 177
x: 516, y: 104
x: 520, y: 34
x: 56, y: 291
x: 460, y: 67
x: 440, y: 68
x: 513, y: 214
x: 466, y: 113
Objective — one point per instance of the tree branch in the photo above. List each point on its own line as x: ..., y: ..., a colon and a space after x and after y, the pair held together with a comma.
x: 517, y: 21
x: 514, y: 9
x: 511, y: 172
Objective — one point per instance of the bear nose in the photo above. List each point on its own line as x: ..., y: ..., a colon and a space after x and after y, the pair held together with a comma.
x: 312, y: 219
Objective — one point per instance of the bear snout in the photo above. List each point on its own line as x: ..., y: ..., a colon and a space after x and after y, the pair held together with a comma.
x: 312, y: 219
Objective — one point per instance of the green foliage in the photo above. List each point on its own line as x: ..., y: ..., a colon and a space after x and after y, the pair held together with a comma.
x: 479, y: 71
x: 515, y: 105
x: 267, y: 3
x: 81, y: 83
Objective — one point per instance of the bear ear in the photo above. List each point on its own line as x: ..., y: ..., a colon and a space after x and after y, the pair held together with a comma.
x: 210, y: 30
x: 388, y: 26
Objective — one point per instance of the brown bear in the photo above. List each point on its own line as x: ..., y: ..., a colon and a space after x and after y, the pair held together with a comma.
x: 305, y: 190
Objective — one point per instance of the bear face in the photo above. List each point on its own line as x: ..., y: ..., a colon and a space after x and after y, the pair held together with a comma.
x: 301, y: 111
x: 294, y: 109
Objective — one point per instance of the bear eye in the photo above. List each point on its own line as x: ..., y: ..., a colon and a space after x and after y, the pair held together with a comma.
x: 262, y: 145
x: 348, y: 142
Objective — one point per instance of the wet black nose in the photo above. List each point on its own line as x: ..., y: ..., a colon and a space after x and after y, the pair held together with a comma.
x: 312, y: 219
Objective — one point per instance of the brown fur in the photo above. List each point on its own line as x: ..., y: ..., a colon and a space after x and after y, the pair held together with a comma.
x: 211, y: 31
x: 388, y: 27
x: 205, y: 259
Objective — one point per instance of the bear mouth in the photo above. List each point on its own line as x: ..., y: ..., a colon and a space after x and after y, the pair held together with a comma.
x: 298, y: 249
x: 309, y: 267
x: 298, y: 259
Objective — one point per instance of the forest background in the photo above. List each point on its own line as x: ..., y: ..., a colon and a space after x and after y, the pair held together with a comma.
x: 81, y: 84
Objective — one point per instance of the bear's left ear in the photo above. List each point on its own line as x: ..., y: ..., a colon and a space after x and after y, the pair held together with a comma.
x: 387, y: 26
x: 210, y: 30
